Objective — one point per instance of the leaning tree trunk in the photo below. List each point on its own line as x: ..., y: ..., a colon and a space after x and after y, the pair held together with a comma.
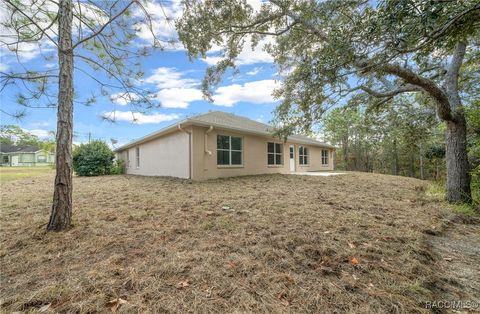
x: 458, y: 177
x: 61, y: 214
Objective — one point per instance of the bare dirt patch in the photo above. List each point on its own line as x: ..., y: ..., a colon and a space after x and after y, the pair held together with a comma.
x: 458, y: 251
x: 251, y: 244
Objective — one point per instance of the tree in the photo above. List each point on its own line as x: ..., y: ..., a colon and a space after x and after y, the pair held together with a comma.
x: 386, y: 139
x: 14, y: 135
x: 329, y: 50
x: 93, y: 159
x: 338, y: 128
x: 85, y: 36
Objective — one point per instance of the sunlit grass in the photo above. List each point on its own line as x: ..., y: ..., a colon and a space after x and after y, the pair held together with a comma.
x: 436, y: 190
x: 8, y: 174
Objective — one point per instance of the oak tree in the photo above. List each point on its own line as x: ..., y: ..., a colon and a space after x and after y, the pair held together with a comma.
x: 331, y: 50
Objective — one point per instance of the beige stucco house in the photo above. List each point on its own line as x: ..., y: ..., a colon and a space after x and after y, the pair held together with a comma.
x: 219, y: 144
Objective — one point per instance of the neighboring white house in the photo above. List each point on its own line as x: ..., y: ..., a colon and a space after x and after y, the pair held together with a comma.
x: 219, y: 144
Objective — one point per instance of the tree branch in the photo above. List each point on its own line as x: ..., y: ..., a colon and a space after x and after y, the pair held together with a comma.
x: 451, y: 79
x: 32, y: 21
x: 403, y: 89
x: 443, y: 103
x: 104, y: 25
x: 299, y: 20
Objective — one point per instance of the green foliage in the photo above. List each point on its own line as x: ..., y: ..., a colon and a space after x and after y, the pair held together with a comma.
x: 320, y: 46
x: 14, y: 135
x: 93, y: 159
x: 436, y: 190
x: 118, y: 167
x: 329, y: 53
x: 105, y: 42
x: 388, y: 139
x: 435, y: 152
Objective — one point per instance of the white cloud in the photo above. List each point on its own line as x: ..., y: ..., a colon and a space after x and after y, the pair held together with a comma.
x: 140, y: 118
x: 42, y: 12
x: 3, y: 67
x: 175, y: 91
x: 257, y: 92
x: 254, y: 71
x: 41, y: 124
x: 123, y: 99
x: 248, y: 55
x: 170, y: 78
x: 163, y: 17
x: 178, y: 97
x: 39, y: 132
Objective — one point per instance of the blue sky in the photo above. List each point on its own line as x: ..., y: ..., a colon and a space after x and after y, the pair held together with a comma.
x: 175, y: 80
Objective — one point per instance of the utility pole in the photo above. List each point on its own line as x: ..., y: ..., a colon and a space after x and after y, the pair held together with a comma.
x: 89, y: 136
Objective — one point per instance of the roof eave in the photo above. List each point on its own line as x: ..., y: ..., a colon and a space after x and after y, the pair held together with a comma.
x: 151, y: 136
x: 188, y: 122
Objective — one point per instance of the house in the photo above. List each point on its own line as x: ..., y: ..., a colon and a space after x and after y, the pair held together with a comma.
x: 25, y: 156
x: 219, y: 144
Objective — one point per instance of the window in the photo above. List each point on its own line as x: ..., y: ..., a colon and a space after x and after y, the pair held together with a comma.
x: 274, y: 153
x: 28, y: 157
x: 41, y: 158
x: 137, y: 156
x: 128, y: 158
x: 291, y: 152
x: 229, y: 150
x: 303, y: 155
x: 324, y: 157
x: 5, y: 159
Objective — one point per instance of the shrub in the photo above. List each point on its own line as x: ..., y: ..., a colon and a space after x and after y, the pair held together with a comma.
x: 93, y: 159
x: 118, y: 167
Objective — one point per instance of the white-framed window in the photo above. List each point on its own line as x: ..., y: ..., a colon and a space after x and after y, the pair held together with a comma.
x: 303, y: 155
x: 137, y: 157
x: 229, y: 150
x: 128, y: 158
x: 325, y: 154
x: 41, y: 158
x: 274, y: 154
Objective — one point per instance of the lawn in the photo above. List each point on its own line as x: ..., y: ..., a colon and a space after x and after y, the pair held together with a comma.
x: 275, y: 243
x: 8, y: 174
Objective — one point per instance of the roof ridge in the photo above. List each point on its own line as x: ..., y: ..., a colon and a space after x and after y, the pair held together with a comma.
x: 231, y: 121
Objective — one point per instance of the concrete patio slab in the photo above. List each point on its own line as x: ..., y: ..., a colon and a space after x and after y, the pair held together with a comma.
x: 319, y: 174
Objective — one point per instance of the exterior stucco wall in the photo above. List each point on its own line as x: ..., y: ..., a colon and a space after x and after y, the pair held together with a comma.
x: 164, y: 156
x: 204, y: 166
x: 314, y: 159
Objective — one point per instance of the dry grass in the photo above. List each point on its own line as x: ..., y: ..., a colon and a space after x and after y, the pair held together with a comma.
x: 166, y: 245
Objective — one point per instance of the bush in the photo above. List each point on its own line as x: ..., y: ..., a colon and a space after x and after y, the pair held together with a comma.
x: 93, y: 159
x: 118, y: 167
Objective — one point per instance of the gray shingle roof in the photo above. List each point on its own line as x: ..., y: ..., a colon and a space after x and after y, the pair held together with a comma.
x: 224, y: 120
x: 6, y: 148
x: 231, y: 121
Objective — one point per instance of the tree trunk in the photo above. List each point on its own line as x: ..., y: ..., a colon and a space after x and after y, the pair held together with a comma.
x: 61, y: 214
x: 458, y: 176
x: 411, y: 170
x: 395, y: 158
x: 422, y: 175
x: 345, y: 152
